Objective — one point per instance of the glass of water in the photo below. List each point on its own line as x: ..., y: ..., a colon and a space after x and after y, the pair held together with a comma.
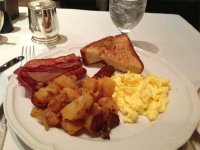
x: 126, y: 14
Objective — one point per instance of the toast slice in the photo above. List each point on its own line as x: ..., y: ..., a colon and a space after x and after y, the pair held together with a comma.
x: 116, y: 51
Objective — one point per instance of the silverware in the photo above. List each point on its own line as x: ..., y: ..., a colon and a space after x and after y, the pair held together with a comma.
x: 28, y: 52
x: 11, y: 63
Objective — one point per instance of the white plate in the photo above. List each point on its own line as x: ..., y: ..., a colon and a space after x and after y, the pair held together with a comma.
x: 197, y: 84
x: 3, y: 86
x: 170, y: 131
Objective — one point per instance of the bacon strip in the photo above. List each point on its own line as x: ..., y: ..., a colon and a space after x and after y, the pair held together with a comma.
x: 38, y: 72
x: 52, y: 61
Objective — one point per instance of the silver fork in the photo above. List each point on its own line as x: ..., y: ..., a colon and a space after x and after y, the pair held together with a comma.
x: 28, y: 52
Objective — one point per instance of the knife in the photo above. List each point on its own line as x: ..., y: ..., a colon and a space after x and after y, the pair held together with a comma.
x: 11, y: 63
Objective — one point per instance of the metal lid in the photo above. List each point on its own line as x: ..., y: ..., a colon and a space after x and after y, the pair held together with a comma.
x: 44, y: 4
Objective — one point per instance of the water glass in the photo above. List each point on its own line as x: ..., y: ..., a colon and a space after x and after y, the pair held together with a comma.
x: 126, y: 14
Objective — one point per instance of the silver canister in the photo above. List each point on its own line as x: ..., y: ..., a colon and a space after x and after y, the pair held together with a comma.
x: 43, y: 21
x: 1, y: 19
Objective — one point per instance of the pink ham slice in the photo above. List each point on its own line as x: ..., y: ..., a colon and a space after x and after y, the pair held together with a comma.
x: 38, y: 72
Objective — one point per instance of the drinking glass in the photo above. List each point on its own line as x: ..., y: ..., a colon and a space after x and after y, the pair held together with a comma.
x: 126, y: 14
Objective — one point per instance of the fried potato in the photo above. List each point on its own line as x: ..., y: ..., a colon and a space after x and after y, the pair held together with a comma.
x: 36, y: 112
x: 58, y: 102
x: 108, y: 103
x: 72, y: 93
x: 72, y: 127
x: 45, y: 94
x: 106, y: 86
x: 51, y: 118
x: 90, y: 84
x: 73, y: 105
x: 65, y: 81
x: 77, y: 108
x: 88, y: 121
x: 53, y: 86
x: 46, y: 117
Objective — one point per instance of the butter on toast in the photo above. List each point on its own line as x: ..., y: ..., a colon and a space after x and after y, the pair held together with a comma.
x: 116, y: 51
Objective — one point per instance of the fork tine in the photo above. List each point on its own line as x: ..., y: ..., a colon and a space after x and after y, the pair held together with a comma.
x: 28, y: 52
x: 22, y: 55
x: 32, y: 51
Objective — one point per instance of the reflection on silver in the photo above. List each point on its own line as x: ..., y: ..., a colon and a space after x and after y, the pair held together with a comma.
x: 43, y: 21
x: 1, y: 22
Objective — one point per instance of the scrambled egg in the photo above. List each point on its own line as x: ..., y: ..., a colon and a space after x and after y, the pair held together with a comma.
x: 140, y: 95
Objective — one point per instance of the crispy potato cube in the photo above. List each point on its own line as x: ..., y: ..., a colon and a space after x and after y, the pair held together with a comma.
x: 36, y: 112
x: 53, y: 86
x: 108, y: 103
x: 88, y: 121
x: 72, y: 93
x: 45, y: 94
x: 51, y: 118
x: 106, y: 86
x: 65, y: 81
x: 77, y: 108
x: 72, y: 127
x: 90, y: 84
x: 58, y: 102
x: 46, y: 117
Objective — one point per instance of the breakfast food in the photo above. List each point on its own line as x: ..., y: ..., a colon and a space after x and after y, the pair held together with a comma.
x: 140, y: 95
x: 74, y: 106
x: 38, y: 72
x: 105, y: 71
x: 116, y: 51
x: 65, y: 97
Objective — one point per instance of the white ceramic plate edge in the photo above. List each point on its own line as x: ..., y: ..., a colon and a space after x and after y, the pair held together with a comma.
x: 3, y: 83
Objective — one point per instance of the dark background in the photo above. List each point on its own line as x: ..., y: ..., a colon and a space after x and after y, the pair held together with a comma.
x: 188, y: 9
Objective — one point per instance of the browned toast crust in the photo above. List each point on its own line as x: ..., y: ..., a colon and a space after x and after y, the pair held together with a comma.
x: 103, y: 43
x: 116, y: 51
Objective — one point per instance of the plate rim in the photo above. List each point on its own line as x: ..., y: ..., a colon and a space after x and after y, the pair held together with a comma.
x: 139, y: 51
x: 5, y: 78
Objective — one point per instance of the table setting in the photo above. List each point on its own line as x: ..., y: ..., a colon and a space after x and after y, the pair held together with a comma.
x: 43, y: 35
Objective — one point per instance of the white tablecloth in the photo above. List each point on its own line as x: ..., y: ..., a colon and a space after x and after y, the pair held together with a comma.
x: 167, y: 35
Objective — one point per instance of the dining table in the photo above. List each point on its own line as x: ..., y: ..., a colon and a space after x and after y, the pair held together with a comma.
x: 168, y: 36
